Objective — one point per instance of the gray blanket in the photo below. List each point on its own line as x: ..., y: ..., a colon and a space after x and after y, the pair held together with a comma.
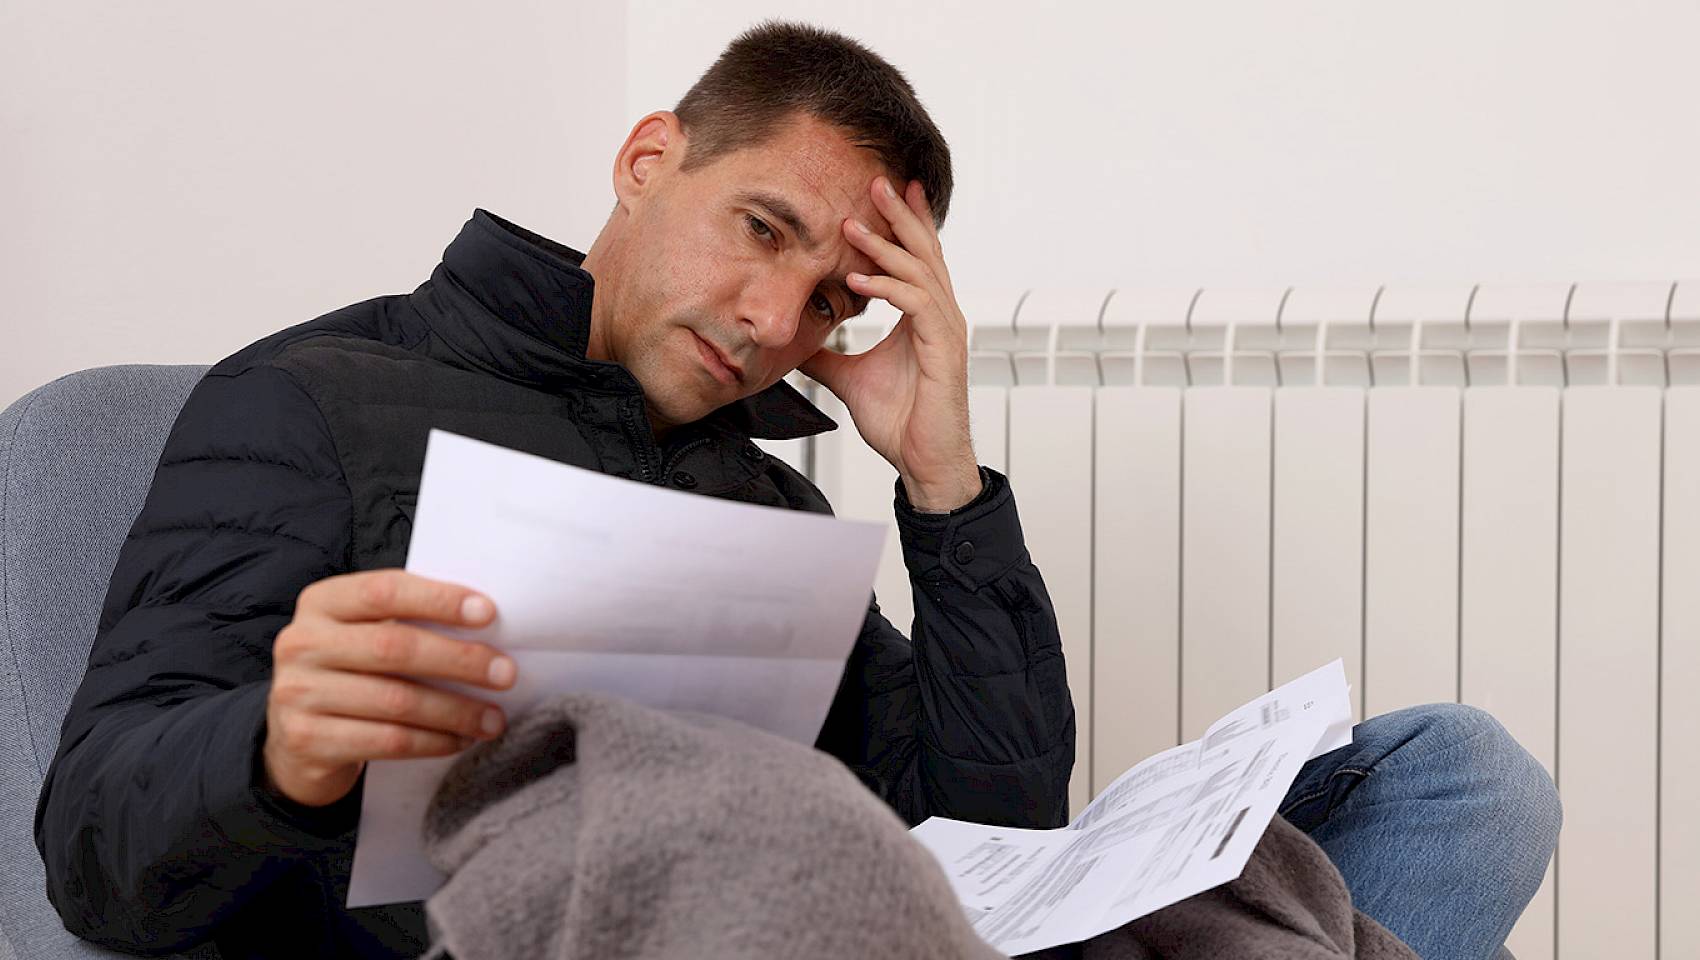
x: 599, y: 829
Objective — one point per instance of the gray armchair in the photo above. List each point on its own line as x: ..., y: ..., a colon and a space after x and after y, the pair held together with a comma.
x: 76, y: 458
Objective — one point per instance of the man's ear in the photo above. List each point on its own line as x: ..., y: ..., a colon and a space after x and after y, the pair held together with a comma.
x: 656, y: 143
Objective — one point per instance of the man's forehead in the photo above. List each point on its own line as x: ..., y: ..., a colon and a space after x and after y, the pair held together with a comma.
x: 815, y: 169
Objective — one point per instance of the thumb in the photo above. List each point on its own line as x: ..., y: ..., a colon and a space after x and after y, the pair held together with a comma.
x: 830, y: 369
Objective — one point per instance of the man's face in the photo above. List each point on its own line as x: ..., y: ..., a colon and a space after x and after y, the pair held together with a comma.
x: 734, y: 273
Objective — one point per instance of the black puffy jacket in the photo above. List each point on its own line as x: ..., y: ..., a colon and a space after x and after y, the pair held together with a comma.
x: 299, y: 458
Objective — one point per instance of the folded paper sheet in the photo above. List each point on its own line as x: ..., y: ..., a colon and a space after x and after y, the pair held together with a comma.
x: 668, y: 599
x: 1176, y: 824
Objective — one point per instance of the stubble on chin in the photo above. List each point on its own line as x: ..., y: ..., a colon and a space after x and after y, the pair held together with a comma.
x: 673, y: 382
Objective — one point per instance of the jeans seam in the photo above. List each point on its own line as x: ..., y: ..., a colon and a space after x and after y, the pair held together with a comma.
x: 1326, y: 789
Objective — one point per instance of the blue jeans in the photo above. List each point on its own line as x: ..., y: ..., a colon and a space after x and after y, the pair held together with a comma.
x: 1441, y: 824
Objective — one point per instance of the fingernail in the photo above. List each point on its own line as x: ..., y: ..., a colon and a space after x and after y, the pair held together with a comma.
x: 502, y: 671
x: 492, y: 722
x: 476, y: 609
x: 890, y: 191
x: 858, y: 278
x: 861, y: 226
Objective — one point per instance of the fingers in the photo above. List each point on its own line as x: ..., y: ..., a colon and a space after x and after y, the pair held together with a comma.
x: 914, y: 231
x: 341, y: 692
x: 383, y: 594
x: 916, y: 196
x: 908, y: 285
x: 907, y: 297
x: 392, y: 648
x: 915, y: 259
x: 318, y: 741
x: 889, y: 257
x: 387, y: 700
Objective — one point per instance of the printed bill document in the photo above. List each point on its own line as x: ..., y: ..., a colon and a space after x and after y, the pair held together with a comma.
x: 672, y: 600
x: 1176, y: 824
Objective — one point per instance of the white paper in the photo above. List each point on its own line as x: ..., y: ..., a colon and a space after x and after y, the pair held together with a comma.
x: 668, y: 599
x: 1177, y: 824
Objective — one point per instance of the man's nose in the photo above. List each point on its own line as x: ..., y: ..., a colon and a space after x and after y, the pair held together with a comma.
x: 772, y: 309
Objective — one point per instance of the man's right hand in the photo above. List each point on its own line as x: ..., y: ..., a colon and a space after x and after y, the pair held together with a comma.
x: 345, y: 678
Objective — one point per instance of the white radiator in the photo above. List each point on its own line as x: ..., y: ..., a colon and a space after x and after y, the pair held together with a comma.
x: 1488, y: 495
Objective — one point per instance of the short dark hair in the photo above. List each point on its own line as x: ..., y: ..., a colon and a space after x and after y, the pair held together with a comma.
x: 775, y: 70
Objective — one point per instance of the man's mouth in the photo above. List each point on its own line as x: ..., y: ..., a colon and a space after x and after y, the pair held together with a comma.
x: 718, y: 364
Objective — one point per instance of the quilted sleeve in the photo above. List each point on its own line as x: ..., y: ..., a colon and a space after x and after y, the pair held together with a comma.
x: 153, y: 821
x: 972, y: 718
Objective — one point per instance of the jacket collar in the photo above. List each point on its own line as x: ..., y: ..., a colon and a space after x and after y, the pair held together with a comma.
x: 517, y: 305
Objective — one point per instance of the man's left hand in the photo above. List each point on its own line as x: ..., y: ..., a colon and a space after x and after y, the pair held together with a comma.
x: 909, y: 393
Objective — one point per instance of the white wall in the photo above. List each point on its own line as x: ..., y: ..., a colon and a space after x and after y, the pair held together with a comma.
x: 1253, y: 143
x: 180, y: 178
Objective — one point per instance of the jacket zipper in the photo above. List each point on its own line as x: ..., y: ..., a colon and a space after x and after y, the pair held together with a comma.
x: 642, y: 442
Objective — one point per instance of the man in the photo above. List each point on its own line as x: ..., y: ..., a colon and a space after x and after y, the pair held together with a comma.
x: 252, y: 654
x: 254, y: 650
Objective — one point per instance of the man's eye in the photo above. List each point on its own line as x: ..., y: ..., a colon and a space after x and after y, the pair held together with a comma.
x: 758, y: 227
x: 822, y: 305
